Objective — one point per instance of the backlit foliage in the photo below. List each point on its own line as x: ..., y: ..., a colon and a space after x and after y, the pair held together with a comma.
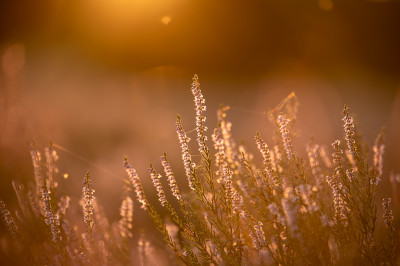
x: 281, y: 210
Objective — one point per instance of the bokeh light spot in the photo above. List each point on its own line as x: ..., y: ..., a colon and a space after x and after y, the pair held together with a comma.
x: 165, y: 20
x: 13, y: 59
x: 325, y: 4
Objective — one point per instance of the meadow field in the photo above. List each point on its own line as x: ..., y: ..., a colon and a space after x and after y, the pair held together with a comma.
x: 231, y: 207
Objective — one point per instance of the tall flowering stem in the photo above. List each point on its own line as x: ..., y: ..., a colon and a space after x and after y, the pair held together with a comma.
x: 237, y: 205
x: 220, y: 155
x: 349, y: 132
x: 156, y: 179
x: 88, y: 202
x: 337, y: 157
x: 225, y: 129
x: 51, y: 157
x: 51, y: 219
x: 259, y: 237
x: 186, y: 157
x: 134, y: 179
x: 200, y: 107
x: 336, y: 185
x: 126, y: 212
x: 338, y: 203
x: 263, y: 148
x: 227, y: 177
x: 312, y: 152
x: 171, y: 178
x: 283, y: 123
x: 379, y: 149
x: 36, y: 161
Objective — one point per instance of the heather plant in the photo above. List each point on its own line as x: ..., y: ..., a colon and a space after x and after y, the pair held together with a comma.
x: 282, y: 210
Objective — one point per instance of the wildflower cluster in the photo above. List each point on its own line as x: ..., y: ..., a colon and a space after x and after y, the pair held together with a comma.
x: 240, y: 209
x: 290, y: 213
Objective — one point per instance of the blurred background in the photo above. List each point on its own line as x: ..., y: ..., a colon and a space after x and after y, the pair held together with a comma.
x: 103, y: 79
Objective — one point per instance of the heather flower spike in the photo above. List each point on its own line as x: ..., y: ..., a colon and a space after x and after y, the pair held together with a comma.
x: 349, y: 132
x: 313, y: 160
x: 267, y: 162
x: 186, y: 157
x: 379, y: 149
x: 88, y: 202
x: 200, y: 108
x: 135, y: 181
x: 224, y: 132
x: 170, y: 177
x: 259, y: 234
x: 51, y: 157
x: 156, y: 179
x: 336, y: 185
x: 126, y: 212
x: 283, y: 123
x: 220, y: 155
x: 36, y: 161
x: 51, y: 219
